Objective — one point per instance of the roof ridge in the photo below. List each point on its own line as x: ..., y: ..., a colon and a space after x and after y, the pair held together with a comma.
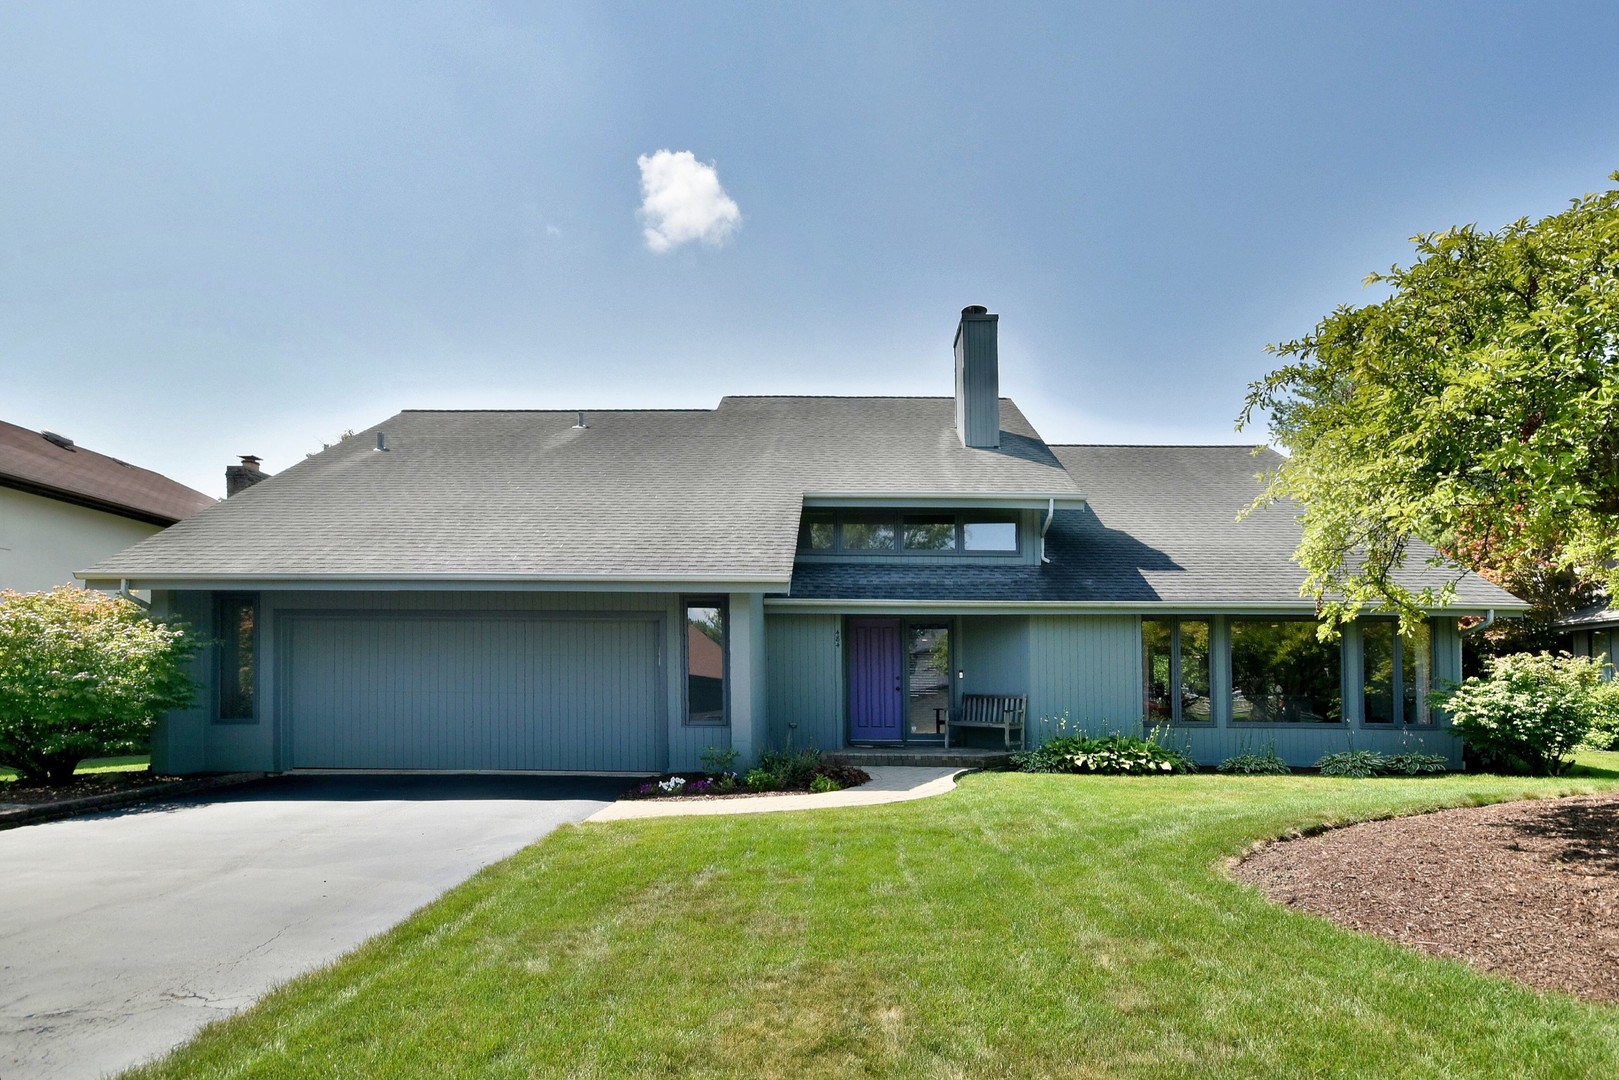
x: 1161, y: 446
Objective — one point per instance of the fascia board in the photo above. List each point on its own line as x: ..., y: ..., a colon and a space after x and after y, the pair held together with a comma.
x: 442, y: 582
x: 992, y: 500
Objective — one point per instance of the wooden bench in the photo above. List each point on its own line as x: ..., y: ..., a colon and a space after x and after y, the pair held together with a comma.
x: 1004, y: 714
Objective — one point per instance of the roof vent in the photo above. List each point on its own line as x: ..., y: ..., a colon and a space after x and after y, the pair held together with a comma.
x: 60, y: 440
x: 581, y: 424
x: 978, y: 382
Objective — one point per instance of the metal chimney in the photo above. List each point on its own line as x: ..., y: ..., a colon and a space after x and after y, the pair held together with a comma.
x: 978, y: 381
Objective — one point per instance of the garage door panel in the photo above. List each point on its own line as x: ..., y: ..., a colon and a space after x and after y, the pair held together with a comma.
x: 395, y: 692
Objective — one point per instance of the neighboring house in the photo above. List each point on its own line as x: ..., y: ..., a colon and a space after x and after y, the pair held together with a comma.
x: 1590, y: 632
x: 63, y: 507
x: 619, y: 590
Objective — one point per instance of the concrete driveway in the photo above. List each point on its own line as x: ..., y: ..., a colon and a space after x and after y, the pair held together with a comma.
x: 123, y: 933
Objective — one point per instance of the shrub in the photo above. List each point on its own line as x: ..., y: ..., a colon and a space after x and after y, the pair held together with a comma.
x: 720, y: 759
x: 1116, y: 754
x: 1531, y: 710
x: 844, y: 776
x: 724, y: 783
x: 1604, y: 733
x: 1356, y: 764
x: 822, y: 784
x: 83, y: 674
x: 1252, y: 764
x: 761, y: 780
x: 793, y: 769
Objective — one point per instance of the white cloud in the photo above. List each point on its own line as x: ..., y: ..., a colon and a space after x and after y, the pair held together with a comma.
x: 682, y: 201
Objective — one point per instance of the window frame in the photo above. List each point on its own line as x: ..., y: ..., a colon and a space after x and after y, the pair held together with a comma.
x: 1396, y: 682
x: 1175, y: 680
x: 896, y: 519
x: 722, y: 604
x: 1229, y: 663
x: 224, y: 602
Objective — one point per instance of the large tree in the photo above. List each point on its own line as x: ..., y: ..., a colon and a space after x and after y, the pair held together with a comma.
x: 1476, y: 408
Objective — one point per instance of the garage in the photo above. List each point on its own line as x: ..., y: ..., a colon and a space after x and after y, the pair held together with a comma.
x: 472, y: 691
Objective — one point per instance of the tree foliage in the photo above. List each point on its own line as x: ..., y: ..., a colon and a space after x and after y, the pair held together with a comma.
x: 1476, y: 408
x: 82, y: 674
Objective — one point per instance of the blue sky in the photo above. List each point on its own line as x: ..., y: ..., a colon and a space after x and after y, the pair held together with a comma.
x: 234, y: 228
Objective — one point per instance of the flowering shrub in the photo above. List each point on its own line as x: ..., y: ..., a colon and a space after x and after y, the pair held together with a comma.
x: 672, y: 786
x: 1531, y: 710
x: 1110, y: 755
x: 83, y: 674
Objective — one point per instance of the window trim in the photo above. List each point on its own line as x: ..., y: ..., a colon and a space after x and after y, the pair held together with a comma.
x: 221, y: 602
x: 896, y: 520
x: 1340, y: 724
x: 686, y: 604
x: 1397, y: 682
x: 1175, y: 680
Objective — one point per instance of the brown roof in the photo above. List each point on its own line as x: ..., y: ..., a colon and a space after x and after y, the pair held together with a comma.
x: 31, y: 462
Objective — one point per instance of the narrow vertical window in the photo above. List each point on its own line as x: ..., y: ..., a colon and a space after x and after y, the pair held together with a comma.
x: 1192, y: 664
x: 1378, y: 643
x: 705, y: 661
x: 1416, y: 675
x: 238, y: 623
x: 1158, y: 669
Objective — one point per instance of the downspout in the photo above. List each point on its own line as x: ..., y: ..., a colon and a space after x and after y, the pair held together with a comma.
x: 1489, y: 621
x: 123, y: 590
x: 1051, y: 512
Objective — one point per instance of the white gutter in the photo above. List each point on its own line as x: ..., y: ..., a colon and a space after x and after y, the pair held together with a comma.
x: 1022, y: 500
x: 1053, y: 607
x: 457, y: 582
x: 1051, y: 512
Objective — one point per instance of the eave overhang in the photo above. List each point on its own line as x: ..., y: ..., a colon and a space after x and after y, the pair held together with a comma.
x: 708, y: 583
x: 988, y: 500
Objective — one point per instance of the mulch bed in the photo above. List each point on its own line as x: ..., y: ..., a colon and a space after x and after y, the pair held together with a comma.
x: 1529, y: 890
x: 90, y: 784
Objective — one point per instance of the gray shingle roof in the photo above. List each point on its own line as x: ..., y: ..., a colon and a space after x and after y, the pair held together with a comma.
x: 1160, y: 526
x: 1591, y: 617
x: 680, y: 493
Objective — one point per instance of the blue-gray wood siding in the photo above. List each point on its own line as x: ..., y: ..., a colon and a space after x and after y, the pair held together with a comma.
x: 1084, y: 667
x: 473, y: 691
x: 804, y: 661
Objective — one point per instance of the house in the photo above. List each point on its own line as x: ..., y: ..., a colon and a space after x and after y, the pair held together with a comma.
x: 1590, y: 632
x: 617, y: 590
x: 63, y: 507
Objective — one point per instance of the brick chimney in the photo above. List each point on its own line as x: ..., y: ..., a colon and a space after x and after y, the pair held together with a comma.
x: 243, y: 476
x: 978, y: 380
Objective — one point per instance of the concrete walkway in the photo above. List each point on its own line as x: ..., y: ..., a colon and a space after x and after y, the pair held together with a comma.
x: 889, y: 784
x: 123, y: 933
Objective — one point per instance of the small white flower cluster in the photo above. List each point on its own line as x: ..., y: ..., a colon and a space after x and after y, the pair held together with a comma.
x: 672, y: 786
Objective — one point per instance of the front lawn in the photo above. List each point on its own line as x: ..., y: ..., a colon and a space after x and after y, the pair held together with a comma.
x: 1023, y: 925
x: 91, y: 766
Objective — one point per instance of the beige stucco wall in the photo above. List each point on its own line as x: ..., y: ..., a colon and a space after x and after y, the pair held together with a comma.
x: 43, y: 541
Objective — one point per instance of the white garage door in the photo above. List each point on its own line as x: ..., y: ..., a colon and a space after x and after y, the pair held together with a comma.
x: 445, y: 691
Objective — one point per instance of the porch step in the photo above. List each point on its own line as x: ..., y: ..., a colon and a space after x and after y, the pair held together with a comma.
x: 957, y: 757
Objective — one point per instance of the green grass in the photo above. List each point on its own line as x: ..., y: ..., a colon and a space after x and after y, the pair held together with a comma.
x: 132, y: 763
x: 1022, y: 925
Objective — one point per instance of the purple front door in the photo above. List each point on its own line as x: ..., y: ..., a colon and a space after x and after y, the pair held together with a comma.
x: 876, y: 698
